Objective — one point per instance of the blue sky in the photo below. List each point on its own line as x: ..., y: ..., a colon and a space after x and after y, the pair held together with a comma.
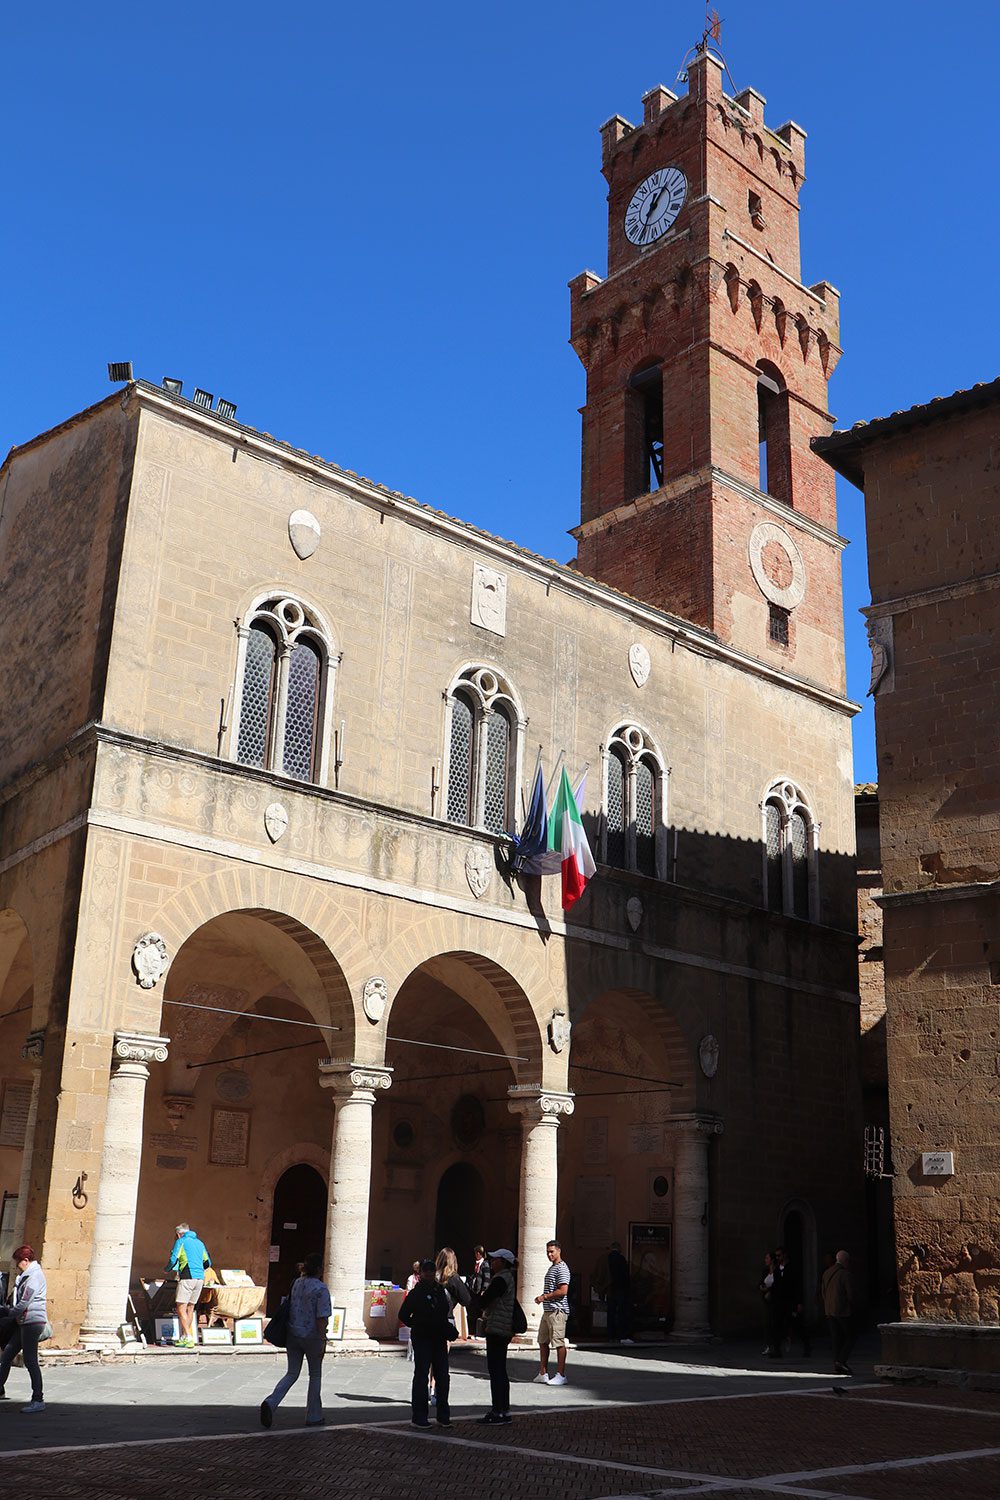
x: 359, y: 224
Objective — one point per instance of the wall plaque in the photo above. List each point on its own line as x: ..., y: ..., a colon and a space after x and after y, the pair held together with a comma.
x: 644, y: 1139
x: 230, y: 1146
x: 172, y: 1163
x: 14, y: 1113
x: 489, y: 599
x: 594, y: 1211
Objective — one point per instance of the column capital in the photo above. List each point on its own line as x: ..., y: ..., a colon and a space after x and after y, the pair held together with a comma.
x: 536, y: 1104
x: 34, y: 1048
x: 137, y: 1047
x: 353, y: 1080
x: 695, y: 1125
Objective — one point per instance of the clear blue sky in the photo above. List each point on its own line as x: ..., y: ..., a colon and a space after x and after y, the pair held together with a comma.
x: 358, y: 222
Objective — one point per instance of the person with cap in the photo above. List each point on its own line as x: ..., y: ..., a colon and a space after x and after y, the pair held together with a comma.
x: 498, y: 1303
x: 29, y: 1310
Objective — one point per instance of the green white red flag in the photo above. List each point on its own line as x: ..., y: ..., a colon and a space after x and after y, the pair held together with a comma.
x: 567, y: 837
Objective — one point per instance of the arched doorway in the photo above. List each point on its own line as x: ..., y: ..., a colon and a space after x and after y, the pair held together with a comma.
x: 459, y: 1215
x: 798, y: 1236
x: 298, y: 1226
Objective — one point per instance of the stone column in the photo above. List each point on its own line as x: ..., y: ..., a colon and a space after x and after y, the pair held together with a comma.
x: 118, y: 1189
x: 32, y: 1052
x: 539, y: 1110
x: 691, y: 1197
x: 354, y: 1088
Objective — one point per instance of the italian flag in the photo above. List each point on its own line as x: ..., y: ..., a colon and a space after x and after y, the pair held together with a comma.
x: 566, y: 836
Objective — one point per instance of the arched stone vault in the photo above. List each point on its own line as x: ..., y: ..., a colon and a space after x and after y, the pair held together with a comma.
x: 644, y: 1014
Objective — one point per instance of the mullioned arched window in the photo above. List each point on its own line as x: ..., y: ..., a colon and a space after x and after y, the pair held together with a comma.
x: 790, y: 835
x: 483, y: 734
x: 635, y: 803
x: 283, y: 693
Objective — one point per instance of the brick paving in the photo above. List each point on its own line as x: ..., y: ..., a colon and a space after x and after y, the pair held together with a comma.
x: 872, y: 1443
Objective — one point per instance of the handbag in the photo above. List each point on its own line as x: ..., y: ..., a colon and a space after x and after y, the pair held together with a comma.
x: 276, y: 1332
x: 451, y: 1331
x: 518, y: 1322
x: 46, y: 1332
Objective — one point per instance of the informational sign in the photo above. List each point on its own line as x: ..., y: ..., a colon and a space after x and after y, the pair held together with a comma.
x: 938, y: 1164
x: 650, y: 1264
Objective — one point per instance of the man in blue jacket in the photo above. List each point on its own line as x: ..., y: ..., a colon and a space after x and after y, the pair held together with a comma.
x: 189, y: 1259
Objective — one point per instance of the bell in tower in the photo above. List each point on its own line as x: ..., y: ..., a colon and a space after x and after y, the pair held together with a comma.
x: 707, y: 364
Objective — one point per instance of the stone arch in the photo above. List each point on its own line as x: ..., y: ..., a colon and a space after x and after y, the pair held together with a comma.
x: 301, y: 909
x: 674, y: 1047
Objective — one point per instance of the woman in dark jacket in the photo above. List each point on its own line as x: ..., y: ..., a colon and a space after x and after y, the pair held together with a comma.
x: 426, y: 1311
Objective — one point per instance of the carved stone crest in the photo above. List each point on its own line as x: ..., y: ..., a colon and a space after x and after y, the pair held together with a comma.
x: 304, y: 532
x: 880, y: 642
x: 375, y: 998
x: 275, y: 820
x: 638, y: 663
x: 478, y: 867
x: 489, y: 599
x: 708, y: 1055
x: 149, y: 959
x: 633, y: 911
x: 559, y: 1028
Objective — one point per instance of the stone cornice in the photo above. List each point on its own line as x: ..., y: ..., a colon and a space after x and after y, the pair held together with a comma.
x: 938, y: 893
x: 923, y: 598
x: 800, y: 286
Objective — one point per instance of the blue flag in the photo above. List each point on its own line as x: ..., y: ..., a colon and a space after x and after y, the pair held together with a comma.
x: 534, y: 835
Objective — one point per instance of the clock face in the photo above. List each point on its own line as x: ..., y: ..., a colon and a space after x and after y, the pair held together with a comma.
x: 655, y: 205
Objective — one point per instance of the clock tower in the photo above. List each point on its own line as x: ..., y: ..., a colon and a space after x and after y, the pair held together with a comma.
x: 707, y: 363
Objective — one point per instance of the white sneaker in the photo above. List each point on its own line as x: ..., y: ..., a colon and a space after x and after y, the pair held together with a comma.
x: 626, y: 1341
x: 557, y: 1380
x: 33, y: 1406
x: 541, y: 1379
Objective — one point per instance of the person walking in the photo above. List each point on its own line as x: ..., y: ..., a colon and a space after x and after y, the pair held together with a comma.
x: 554, y: 1301
x: 838, y: 1305
x: 478, y: 1282
x: 499, y: 1302
x: 189, y: 1259
x: 793, y: 1314
x: 308, y: 1313
x: 618, y: 1292
x: 28, y: 1309
x: 426, y: 1311
x: 770, y: 1298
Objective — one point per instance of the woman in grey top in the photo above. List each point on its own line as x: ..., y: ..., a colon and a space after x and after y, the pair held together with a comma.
x: 29, y: 1310
x: 308, y: 1313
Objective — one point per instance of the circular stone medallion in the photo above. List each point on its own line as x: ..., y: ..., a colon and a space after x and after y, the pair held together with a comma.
x: 777, y: 566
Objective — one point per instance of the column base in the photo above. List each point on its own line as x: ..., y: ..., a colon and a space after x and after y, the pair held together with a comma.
x: 100, y: 1338
x: 696, y: 1335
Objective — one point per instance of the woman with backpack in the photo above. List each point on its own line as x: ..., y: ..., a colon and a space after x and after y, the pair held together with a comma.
x: 503, y: 1317
x: 426, y: 1311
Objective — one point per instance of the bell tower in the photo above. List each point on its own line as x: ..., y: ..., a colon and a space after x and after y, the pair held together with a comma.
x: 707, y: 364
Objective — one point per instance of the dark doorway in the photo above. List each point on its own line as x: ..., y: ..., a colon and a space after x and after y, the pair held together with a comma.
x: 458, y: 1221
x: 298, y: 1226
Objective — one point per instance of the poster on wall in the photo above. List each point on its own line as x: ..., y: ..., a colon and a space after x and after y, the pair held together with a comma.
x: 650, y: 1264
x: 230, y: 1141
x: 594, y: 1211
x: 14, y: 1108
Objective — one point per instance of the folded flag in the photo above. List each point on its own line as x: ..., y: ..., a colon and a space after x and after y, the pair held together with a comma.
x: 566, y: 834
x: 543, y: 858
x: 534, y: 837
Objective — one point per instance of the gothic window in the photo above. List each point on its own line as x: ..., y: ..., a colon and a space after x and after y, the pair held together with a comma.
x: 773, y: 439
x: 283, y: 691
x: 483, y: 739
x: 635, y: 783
x: 790, y: 873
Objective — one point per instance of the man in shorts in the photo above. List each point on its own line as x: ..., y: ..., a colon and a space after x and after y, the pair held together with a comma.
x: 554, y: 1302
x: 189, y: 1259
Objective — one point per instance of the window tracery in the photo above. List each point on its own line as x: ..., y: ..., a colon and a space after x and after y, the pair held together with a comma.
x: 283, y: 690
x: 790, y: 835
x: 635, y: 784
x: 484, y: 728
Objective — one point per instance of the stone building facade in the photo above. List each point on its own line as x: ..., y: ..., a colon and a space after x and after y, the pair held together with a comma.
x: 930, y: 485
x: 263, y: 962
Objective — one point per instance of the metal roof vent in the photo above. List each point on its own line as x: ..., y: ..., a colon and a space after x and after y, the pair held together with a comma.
x: 174, y: 386
x: 226, y: 409
x: 203, y: 399
x: 122, y: 370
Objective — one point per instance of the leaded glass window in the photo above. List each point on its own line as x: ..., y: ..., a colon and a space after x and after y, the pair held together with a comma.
x: 616, y: 811
x: 300, y: 710
x: 635, y: 785
x: 258, y: 693
x: 789, y: 852
x: 482, y: 750
x: 645, y: 851
x: 775, y: 878
x: 460, y: 761
x: 497, y: 752
x: 800, y: 865
x: 284, y: 674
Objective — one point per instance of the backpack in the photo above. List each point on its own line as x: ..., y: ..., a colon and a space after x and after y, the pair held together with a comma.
x: 518, y: 1322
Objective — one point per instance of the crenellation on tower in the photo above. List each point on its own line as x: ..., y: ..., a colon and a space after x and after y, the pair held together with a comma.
x: 655, y: 101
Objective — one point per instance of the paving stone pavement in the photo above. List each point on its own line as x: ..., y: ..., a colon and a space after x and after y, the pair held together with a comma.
x: 639, y: 1425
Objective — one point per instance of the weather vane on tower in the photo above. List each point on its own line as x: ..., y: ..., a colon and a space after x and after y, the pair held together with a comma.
x: 712, y: 32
